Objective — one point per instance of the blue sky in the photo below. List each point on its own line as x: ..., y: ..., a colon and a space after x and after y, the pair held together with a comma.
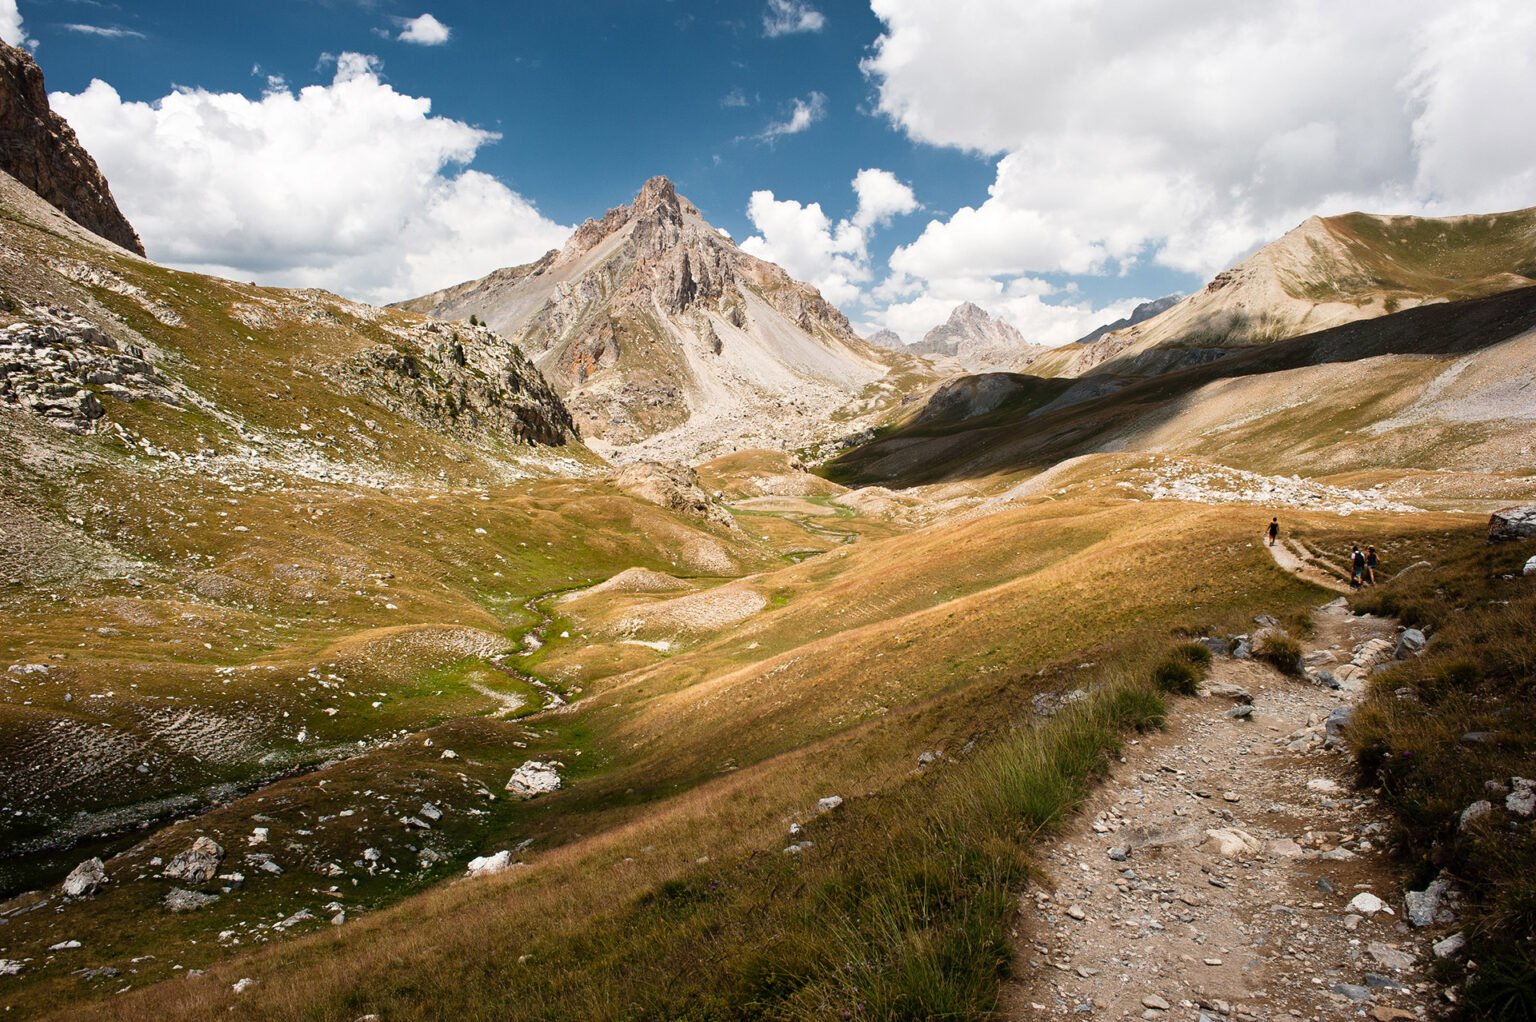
x: 1063, y: 158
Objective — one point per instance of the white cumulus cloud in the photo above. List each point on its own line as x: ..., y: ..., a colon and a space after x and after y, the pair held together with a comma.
x: 1188, y: 132
x: 802, y: 115
x: 10, y: 24
x: 424, y: 30
x: 787, y: 17
x: 349, y: 185
x: 834, y: 257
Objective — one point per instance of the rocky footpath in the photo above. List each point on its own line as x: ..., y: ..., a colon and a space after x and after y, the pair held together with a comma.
x: 39, y: 149
x: 1228, y: 869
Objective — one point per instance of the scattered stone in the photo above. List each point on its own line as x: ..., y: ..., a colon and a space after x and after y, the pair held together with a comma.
x: 431, y: 812
x: 1337, y: 723
x: 240, y: 986
x: 1386, y: 1013
x: 1389, y: 957
x: 1367, y: 904
x: 103, y: 972
x: 1530, y: 566
x: 1231, y: 796
x: 1119, y: 853
x: 198, y: 864
x: 1218, y: 647
x: 65, y: 945
x: 1240, y: 713
x: 1154, y: 1002
x: 533, y: 779
x: 1324, y: 785
x: 179, y: 900
x: 1450, y: 946
x: 1076, y: 912
x: 831, y: 802
x: 1477, y: 738
x: 1285, y: 848
x: 85, y: 879
x: 1352, y: 991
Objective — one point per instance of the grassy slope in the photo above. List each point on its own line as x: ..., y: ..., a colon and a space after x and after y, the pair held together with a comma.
x: 698, y: 759
x: 1477, y: 677
x: 992, y: 450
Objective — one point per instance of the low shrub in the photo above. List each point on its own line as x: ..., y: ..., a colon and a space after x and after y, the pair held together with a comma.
x: 1281, y: 652
x: 1194, y: 653
x: 1177, y: 676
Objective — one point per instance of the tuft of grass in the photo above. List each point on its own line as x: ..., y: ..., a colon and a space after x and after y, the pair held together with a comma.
x: 1476, y: 679
x: 1182, y: 670
x: 1281, y: 652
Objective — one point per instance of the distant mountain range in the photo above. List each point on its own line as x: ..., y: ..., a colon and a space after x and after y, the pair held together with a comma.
x: 1140, y: 314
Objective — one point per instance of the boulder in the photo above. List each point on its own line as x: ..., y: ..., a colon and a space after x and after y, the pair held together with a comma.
x: 1367, y: 904
x: 533, y: 779
x: 198, y: 864
x: 486, y: 865
x: 1530, y: 566
x: 831, y: 802
x: 1512, y: 523
x: 85, y: 879
x: 1522, y: 796
x: 1450, y: 946
x: 1231, y: 843
x: 1223, y: 690
x: 1410, y: 643
x: 1480, y: 808
x: 1428, y: 906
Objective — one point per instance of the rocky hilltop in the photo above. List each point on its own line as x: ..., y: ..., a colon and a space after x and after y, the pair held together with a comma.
x: 886, y: 339
x: 1326, y: 272
x: 1140, y: 314
x: 978, y: 341
x: 666, y: 340
x: 39, y: 149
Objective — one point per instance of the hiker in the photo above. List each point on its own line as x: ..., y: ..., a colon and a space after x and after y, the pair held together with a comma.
x: 1274, y: 530
x: 1370, y: 565
x: 1357, y: 565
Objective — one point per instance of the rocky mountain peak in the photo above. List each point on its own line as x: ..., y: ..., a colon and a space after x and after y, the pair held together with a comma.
x: 39, y: 149
x: 978, y: 339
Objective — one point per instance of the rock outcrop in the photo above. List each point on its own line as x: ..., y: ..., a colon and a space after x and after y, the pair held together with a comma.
x: 461, y: 379
x: 886, y: 339
x: 1512, y: 523
x: 675, y: 487
x: 39, y: 149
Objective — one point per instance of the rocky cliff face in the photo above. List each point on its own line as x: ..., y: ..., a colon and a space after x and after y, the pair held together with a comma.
x: 978, y: 341
x: 39, y: 149
x: 667, y: 341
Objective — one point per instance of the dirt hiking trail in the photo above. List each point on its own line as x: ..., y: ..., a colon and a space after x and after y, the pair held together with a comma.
x: 1212, y: 876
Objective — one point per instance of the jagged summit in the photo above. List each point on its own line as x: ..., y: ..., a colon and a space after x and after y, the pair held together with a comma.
x: 666, y: 339
x: 39, y: 149
x: 978, y: 340
x: 1140, y: 314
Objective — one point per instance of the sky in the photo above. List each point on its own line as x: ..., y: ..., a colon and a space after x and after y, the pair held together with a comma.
x: 1054, y: 161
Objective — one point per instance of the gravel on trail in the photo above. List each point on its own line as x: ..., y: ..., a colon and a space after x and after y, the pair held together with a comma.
x: 1212, y: 876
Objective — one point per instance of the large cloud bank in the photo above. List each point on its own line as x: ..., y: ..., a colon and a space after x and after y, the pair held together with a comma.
x: 1186, y: 132
x: 350, y: 185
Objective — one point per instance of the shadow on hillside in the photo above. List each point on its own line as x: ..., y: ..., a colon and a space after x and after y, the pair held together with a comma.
x: 1034, y: 438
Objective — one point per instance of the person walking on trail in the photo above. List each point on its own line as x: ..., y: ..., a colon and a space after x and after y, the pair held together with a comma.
x: 1274, y: 530
x: 1357, y: 566
x: 1370, y: 565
